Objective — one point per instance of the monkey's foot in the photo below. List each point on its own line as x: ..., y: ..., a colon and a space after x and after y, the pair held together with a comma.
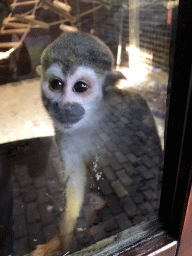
x: 49, y: 248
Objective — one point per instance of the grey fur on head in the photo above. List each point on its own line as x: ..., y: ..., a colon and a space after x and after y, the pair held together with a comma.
x: 78, y: 49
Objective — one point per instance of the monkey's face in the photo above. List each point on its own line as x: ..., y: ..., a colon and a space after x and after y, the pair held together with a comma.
x: 71, y: 99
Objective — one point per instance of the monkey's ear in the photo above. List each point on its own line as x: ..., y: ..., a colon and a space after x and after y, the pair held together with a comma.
x: 39, y: 70
x: 111, y: 80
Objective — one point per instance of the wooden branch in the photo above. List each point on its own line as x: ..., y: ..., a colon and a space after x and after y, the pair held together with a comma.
x: 32, y: 21
x: 24, y: 35
x: 15, y: 25
x: 9, y: 44
x: 58, y: 22
x: 68, y: 28
x: 106, y: 3
x: 14, y: 31
x: 57, y: 10
x: 6, y: 20
x: 6, y: 55
x: 24, y: 3
x: 63, y: 6
x: 87, y: 12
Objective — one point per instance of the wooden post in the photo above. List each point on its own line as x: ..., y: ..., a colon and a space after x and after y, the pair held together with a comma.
x: 134, y: 53
x: 119, y: 49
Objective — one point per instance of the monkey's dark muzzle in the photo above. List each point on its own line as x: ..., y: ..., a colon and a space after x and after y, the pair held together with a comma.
x: 69, y: 113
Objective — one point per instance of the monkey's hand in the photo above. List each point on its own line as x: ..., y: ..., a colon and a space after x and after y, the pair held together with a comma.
x: 39, y: 251
x: 48, y: 249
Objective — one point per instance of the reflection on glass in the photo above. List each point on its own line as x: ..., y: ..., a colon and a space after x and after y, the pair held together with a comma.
x: 124, y: 159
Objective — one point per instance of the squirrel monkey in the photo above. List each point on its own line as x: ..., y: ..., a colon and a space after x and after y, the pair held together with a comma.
x: 76, y: 70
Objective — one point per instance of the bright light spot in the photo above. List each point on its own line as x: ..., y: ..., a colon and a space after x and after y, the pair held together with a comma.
x: 6, y: 55
x: 139, y: 67
x: 134, y: 57
x: 49, y: 208
x: 81, y: 229
x: 134, y: 77
x: 66, y: 253
x: 98, y: 175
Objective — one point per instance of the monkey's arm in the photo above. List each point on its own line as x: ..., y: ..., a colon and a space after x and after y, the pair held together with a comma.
x: 75, y: 174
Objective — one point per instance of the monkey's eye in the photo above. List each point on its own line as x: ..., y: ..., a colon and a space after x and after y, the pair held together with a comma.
x: 56, y: 84
x: 80, y: 87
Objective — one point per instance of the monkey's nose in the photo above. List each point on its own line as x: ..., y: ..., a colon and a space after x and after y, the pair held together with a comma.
x: 68, y: 105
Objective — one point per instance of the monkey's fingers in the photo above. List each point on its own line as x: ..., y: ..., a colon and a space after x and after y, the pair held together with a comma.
x: 39, y: 251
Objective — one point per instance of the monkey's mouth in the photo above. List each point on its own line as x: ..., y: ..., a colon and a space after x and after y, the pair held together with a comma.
x: 68, y: 116
x: 66, y: 121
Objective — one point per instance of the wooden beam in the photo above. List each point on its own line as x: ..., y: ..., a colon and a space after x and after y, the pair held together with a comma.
x: 63, y: 6
x: 57, y: 10
x: 88, y: 12
x: 14, y: 31
x: 9, y: 44
x: 32, y: 21
x: 68, y: 28
x: 134, y: 49
x: 24, y: 3
x: 6, y: 20
x: 6, y: 55
x: 15, y: 25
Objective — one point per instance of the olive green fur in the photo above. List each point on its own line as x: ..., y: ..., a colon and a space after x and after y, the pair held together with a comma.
x: 72, y: 50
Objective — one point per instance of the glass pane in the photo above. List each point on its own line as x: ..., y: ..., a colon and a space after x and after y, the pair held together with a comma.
x: 121, y: 151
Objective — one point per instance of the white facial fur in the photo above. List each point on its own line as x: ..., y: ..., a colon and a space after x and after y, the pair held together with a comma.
x: 90, y: 99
